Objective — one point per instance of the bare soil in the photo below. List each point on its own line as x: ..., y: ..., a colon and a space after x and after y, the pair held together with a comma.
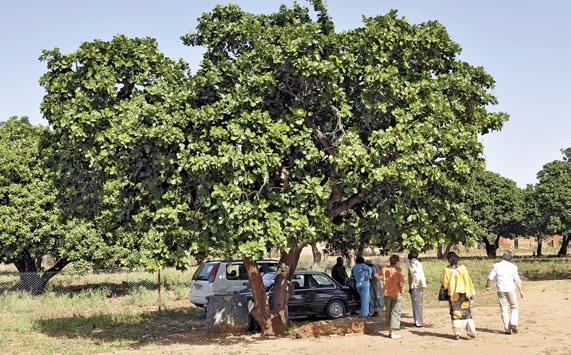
x: 544, y: 328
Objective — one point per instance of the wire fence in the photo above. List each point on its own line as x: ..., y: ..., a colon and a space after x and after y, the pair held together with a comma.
x: 114, y: 282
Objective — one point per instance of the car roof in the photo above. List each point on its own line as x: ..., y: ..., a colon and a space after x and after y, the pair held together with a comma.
x: 261, y: 261
x: 307, y: 272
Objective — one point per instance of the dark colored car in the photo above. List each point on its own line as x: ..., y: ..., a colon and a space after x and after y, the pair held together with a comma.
x: 317, y: 294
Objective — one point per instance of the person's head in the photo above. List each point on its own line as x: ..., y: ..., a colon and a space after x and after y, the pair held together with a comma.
x: 452, y: 258
x: 412, y: 255
x: 360, y: 260
x: 394, y: 259
x: 368, y: 263
x: 340, y: 260
x: 508, y: 255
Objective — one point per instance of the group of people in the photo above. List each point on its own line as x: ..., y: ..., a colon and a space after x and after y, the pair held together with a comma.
x: 384, y: 288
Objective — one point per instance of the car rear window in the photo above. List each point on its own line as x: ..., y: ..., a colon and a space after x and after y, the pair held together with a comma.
x: 318, y: 280
x: 203, y: 272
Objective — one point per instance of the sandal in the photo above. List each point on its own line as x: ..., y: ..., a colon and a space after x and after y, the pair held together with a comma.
x: 469, y: 331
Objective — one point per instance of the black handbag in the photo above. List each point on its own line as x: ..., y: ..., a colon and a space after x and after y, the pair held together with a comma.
x: 351, y: 282
x: 443, y: 294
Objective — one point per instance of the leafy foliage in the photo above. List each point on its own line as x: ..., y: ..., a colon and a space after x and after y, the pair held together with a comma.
x: 31, y: 233
x: 288, y: 131
x: 496, y: 204
x: 553, y: 194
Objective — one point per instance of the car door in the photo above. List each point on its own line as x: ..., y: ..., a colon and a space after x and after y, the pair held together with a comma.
x: 320, y: 288
x: 297, y: 302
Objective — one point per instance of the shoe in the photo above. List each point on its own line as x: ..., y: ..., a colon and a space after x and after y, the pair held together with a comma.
x: 456, y: 337
x: 513, y: 329
x: 508, y: 331
x: 394, y: 336
x: 469, y: 331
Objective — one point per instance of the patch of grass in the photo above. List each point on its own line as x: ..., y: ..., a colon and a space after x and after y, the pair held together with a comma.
x: 105, y: 312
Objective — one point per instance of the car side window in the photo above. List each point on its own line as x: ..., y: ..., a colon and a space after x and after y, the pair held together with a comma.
x: 298, y: 281
x: 267, y: 267
x: 320, y: 281
x: 234, y: 272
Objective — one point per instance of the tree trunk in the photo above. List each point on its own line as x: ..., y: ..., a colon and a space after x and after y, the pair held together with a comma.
x: 272, y: 317
x: 564, y: 245
x: 439, y: 252
x: 448, y: 248
x: 31, y: 278
x: 491, y: 247
x: 316, y: 254
x: 360, y: 249
x: 539, y: 245
x: 351, y: 258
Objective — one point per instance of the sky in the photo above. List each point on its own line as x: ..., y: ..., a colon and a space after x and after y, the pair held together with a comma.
x: 524, y: 44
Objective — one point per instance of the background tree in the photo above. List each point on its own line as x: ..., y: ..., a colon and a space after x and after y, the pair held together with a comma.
x: 553, y: 193
x: 286, y: 126
x: 114, y: 141
x: 534, y: 223
x: 495, y: 203
x: 31, y: 234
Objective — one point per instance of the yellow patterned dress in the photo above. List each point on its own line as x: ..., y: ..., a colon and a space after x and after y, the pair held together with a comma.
x: 460, y: 289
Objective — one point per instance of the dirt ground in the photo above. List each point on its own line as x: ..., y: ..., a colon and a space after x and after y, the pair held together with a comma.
x: 544, y: 328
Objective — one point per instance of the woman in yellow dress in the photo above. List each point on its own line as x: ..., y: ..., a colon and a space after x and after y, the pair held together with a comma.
x: 456, y: 279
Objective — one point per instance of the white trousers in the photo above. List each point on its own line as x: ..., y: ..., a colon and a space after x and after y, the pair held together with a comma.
x: 508, y: 302
x: 417, y: 300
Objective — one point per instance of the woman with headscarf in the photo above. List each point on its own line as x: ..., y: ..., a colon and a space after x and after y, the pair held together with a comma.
x: 456, y: 280
x: 376, y: 302
x: 362, y: 274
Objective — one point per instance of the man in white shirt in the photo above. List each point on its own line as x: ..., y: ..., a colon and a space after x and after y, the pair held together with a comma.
x: 507, y: 280
x: 416, y: 286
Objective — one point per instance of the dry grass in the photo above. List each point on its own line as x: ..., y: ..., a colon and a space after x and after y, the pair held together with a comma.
x: 87, y: 315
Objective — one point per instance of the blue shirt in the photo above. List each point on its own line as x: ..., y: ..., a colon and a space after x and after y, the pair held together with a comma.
x: 361, y: 272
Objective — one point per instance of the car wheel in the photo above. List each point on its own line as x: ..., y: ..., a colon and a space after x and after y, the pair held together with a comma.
x: 335, y: 309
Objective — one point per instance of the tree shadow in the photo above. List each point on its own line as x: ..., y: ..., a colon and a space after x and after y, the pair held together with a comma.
x: 179, y: 326
x: 114, y: 289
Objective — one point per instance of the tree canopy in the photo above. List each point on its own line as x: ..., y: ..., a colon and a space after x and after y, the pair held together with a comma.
x: 553, y: 194
x: 286, y: 128
x: 496, y: 204
x: 31, y: 235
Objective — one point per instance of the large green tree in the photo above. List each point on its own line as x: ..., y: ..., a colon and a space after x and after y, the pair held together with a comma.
x: 114, y: 109
x: 32, y: 238
x: 534, y: 222
x: 286, y: 127
x: 495, y: 203
x: 553, y: 194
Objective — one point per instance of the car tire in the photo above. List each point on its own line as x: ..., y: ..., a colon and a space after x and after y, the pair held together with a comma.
x: 335, y: 309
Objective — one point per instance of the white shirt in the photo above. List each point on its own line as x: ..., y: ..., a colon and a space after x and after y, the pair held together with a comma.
x: 416, y: 277
x: 506, y: 276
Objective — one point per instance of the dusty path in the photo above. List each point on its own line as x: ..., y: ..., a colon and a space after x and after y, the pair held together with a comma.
x: 544, y: 329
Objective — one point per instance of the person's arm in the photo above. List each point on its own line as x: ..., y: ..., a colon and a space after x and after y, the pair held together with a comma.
x: 518, y: 283
x: 409, y: 279
x: 520, y: 288
x: 490, y: 278
x: 488, y: 281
